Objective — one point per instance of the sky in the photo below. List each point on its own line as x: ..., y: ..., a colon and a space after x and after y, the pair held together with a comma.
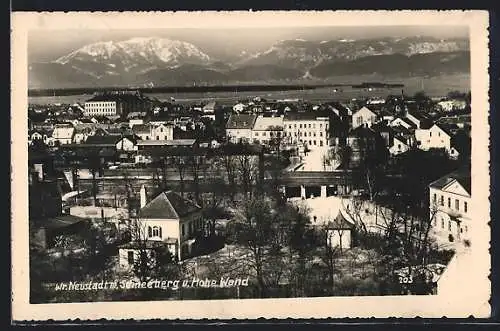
x: 46, y: 45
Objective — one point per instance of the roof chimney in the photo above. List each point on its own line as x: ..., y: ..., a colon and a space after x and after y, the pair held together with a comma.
x: 142, y: 193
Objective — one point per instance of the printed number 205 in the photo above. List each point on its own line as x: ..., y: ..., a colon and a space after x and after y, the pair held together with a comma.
x: 405, y: 280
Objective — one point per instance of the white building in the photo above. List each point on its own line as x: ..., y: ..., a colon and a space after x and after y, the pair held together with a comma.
x: 169, y: 221
x: 306, y: 128
x: 102, y: 106
x: 239, y: 127
x: 363, y: 117
x: 151, y: 131
x: 438, y: 136
x: 400, y: 145
x: 63, y: 133
x: 450, y: 205
x: 449, y: 105
x: 267, y: 128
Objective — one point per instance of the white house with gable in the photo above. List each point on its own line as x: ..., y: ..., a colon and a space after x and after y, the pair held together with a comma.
x: 450, y: 205
x: 363, y: 116
x: 169, y: 221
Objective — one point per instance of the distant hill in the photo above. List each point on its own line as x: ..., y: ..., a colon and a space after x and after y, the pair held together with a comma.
x: 159, y: 61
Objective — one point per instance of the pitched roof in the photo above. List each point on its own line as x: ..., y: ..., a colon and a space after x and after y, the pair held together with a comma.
x: 305, y: 116
x: 448, y: 128
x: 241, y: 121
x: 174, y: 142
x: 102, y: 140
x: 264, y: 123
x: 168, y: 205
x: 141, y: 128
x: 462, y: 176
x: 365, y: 109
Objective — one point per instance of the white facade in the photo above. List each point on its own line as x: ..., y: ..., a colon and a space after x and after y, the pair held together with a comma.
x: 400, y: 122
x: 135, y: 121
x: 451, y: 211
x: 239, y: 134
x: 340, y: 238
x: 162, y: 132
x: 126, y: 144
x: 63, y: 134
x: 449, y: 105
x: 101, y: 108
x: 312, y: 132
x: 398, y: 146
x: 267, y: 128
x: 435, y: 137
x: 363, y: 116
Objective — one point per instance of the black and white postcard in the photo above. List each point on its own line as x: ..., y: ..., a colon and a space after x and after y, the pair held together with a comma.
x: 221, y: 165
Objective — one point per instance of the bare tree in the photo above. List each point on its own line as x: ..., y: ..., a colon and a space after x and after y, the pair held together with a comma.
x: 330, y: 254
x: 181, y: 165
x: 152, y: 259
x: 355, y: 208
x: 248, y: 173
x: 229, y: 164
x: 256, y: 235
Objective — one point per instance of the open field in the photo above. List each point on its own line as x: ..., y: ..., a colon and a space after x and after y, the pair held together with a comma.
x: 433, y: 86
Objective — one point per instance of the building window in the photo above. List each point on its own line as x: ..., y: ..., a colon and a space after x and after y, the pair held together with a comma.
x: 321, y: 133
x: 320, y: 125
x: 256, y: 134
x: 466, y: 229
x: 314, y: 126
x: 290, y: 126
x: 449, y: 225
x: 157, y: 137
x: 434, y: 198
x: 314, y: 142
x: 321, y: 142
x: 300, y: 126
x: 465, y: 206
x: 309, y: 125
x: 430, y: 133
x: 442, y: 223
x: 156, y: 231
x: 150, y: 232
x: 183, y: 230
x: 309, y: 133
x: 130, y: 257
x: 449, y: 202
x: 442, y: 200
x: 457, y: 204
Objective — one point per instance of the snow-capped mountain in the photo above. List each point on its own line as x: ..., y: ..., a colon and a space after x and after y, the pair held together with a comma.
x: 300, y: 53
x: 136, y: 55
x: 161, y: 61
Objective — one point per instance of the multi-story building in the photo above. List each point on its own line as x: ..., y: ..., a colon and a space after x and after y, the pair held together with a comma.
x: 266, y: 128
x: 103, y: 105
x: 116, y: 103
x: 168, y: 220
x: 450, y: 205
x: 239, y: 127
x: 307, y: 128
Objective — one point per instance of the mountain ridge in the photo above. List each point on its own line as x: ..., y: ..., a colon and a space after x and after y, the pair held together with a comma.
x: 152, y: 61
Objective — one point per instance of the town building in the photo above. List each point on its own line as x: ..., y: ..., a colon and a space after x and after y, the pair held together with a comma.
x: 267, y: 128
x: 363, y: 117
x: 239, y: 127
x: 306, y: 128
x: 116, y: 103
x: 167, y: 220
x: 438, y: 136
x: 63, y: 133
x: 450, y: 205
